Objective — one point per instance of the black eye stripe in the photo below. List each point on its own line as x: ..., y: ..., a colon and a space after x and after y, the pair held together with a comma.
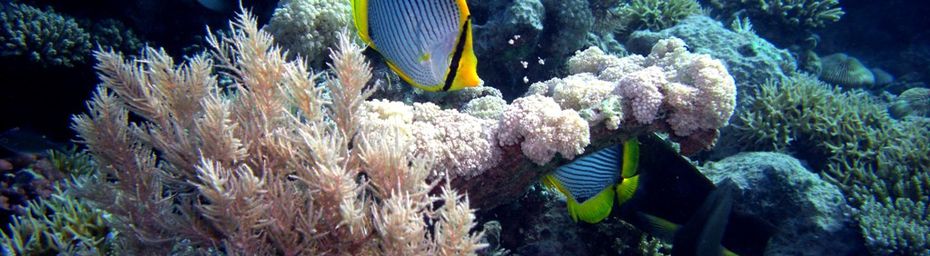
x: 457, y: 56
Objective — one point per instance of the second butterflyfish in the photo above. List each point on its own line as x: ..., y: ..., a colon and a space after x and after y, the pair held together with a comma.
x: 428, y: 43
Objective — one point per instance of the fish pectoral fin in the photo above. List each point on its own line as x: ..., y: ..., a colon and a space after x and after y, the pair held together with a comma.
x: 659, y: 227
x: 627, y: 189
x: 594, y: 209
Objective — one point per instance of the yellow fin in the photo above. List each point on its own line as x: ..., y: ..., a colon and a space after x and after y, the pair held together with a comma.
x: 467, y: 74
x: 728, y: 252
x: 659, y: 227
x: 627, y: 189
x: 630, y: 158
x: 360, y: 15
x: 594, y: 209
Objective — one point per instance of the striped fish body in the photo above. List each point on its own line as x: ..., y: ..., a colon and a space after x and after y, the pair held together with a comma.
x: 428, y: 43
x: 586, y: 177
x: 588, y: 184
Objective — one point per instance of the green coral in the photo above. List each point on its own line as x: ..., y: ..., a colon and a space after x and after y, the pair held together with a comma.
x: 896, y: 228
x: 848, y: 136
x: 72, y: 161
x: 61, y: 224
x: 42, y: 36
x: 656, y: 15
x: 803, y: 14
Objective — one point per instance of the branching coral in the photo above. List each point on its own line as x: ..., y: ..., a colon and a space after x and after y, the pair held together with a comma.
x: 896, y: 228
x: 61, y: 224
x: 805, y: 14
x: 266, y: 166
x: 879, y: 162
x: 42, y: 36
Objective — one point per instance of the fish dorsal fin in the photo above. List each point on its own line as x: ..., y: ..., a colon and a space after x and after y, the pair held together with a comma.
x: 630, y: 158
x: 703, y: 233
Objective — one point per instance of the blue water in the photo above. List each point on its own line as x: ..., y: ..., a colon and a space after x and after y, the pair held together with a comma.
x: 856, y: 141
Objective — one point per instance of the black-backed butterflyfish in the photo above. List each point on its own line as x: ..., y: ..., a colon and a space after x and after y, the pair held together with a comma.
x: 428, y: 43
x: 661, y: 192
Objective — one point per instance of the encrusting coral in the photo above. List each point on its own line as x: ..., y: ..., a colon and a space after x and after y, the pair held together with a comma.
x: 266, y: 166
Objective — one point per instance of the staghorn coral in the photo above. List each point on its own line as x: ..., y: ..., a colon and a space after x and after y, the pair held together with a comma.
x: 42, y: 36
x: 900, y: 227
x: 308, y: 27
x: 61, y: 224
x: 803, y: 14
x: 264, y: 167
x: 851, y: 140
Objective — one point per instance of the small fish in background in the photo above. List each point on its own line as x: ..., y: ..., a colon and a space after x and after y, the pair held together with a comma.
x: 428, y: 43
x: 25, y: 145
x: 661, y: 192
x: 220, y: 6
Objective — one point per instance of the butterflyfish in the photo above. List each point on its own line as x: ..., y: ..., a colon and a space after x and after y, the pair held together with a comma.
x: 657, y: 190
x: 428, y: 43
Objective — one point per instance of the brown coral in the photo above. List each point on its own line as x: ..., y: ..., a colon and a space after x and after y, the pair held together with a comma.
x: 842, y: 69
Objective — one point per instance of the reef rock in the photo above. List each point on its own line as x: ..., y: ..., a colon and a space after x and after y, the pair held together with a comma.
x: 810, y: 215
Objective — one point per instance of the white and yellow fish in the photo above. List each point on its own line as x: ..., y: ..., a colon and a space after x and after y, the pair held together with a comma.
x: 428, y: 43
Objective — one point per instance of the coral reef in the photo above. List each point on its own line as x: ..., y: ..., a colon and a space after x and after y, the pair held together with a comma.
x: 750, y: 59
x: 61, y: 224
x: 800, y: 14
x: 308, y: 27
x: 846, y: 136
x: 460, y: 144
x: 42, y: 36
x: 914, y: 101
x: 811, y: 214
x: 691, y: 93
x: 655, y: 15
x: 896, y: 228
x: 113, y: 33
x: 266, y: 166
x: 544, y: 129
